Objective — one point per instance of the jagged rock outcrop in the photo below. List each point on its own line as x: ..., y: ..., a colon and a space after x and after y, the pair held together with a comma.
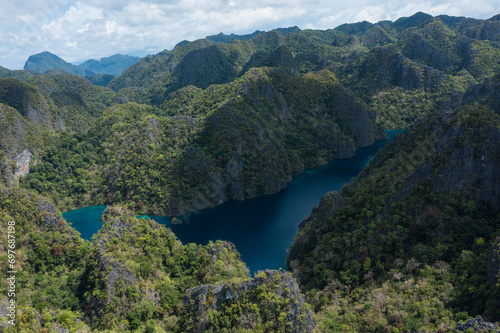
x: 271, y: 301
x: 481, y: 29
x: 140, y: 264
x: 40, y: 210
x: 258, y: 130
x: 476, y: 325
x: 118, y: 274
x: 421, y: 199
x: 461, y: 165
x: 383, y: 68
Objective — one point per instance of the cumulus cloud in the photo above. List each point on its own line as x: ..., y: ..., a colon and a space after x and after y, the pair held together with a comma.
x: 80, y: 30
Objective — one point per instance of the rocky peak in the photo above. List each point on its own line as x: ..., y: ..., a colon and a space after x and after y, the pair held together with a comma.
x: 271, y: 299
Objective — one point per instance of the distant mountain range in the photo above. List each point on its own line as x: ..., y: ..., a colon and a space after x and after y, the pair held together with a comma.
x: 113, y: 65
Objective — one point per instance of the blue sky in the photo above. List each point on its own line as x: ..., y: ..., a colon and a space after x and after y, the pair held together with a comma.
x: 91, y: 29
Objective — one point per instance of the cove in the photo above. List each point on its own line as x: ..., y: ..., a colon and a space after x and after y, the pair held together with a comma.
x: 261, y: 228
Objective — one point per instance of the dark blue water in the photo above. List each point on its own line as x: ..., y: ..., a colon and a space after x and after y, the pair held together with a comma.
x: 261, y: 228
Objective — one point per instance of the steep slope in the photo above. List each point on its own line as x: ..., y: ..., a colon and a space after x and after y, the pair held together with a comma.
x: 204, y: 147
x: 56, y: 101
x: 142, y: 270
x: 402, y: 91
x: 271, y: 302
x: 426, y: 69
x: 42, y: 62
x: 74, y: 96
x: 435, y: 45
x: 33, y: 110
x: 19, y: 141
x: 49, y: 259
x: 135, y: 276
x: 425, y: 210
x: 481, y: 29
x: 27, y: 100
x: 485, y: 93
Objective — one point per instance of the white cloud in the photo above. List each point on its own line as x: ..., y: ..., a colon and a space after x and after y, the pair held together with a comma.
x: 88, y: 29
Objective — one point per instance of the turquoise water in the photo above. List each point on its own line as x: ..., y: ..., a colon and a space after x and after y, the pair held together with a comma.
x: 261, y: 228
x: 86, y: 220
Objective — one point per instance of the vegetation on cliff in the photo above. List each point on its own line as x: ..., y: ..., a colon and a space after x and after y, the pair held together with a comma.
x: 419, y: 223
x: 411, y: 245
x: 204, y: 147
x: 133, y: 276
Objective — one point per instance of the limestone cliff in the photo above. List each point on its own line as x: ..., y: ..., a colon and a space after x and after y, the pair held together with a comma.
x: 269, y: 302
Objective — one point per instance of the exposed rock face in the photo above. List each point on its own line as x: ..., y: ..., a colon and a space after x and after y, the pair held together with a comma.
x: 119, y: 274
x: 385, y: 68
x: 485, y: 94
x: 476, y: 325
x: 22, y: 163
x: 471, y: 164
x: 442, y: 173
x: 260, y: 130
x: 4, y: 312
x: 52, y: 219
x: 206, y: 299
x: 481, y: 29
x: 23, y: 167
x: 494, y: 264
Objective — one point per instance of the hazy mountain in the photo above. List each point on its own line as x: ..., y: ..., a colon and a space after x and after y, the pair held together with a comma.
x: 113, y: 65
x: 44, y: 61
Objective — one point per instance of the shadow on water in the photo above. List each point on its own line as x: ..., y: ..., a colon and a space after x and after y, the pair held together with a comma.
x: 261, y: 228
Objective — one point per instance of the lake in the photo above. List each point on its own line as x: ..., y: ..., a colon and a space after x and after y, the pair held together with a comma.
x: 261, y: 228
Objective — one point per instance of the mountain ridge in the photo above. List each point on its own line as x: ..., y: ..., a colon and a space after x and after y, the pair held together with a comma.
x: 113, y: 65
x: 411, y: 245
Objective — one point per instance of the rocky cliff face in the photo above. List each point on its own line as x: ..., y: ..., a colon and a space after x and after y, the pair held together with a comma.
x: 251, y: 138
x: 18, y: 142
x: 270, y: 301
x: 485, y: 93
x: 427, y: 201
x: 476, y: 325
x: 22, y: 167
x: 142, y: 270
x: 494, y: 264
x: 453, y: 157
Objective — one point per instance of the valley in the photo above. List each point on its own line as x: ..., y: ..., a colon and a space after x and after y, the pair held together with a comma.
x: 228, y: 125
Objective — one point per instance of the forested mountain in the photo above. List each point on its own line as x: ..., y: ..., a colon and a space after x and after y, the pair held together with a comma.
x: 204, y: 147
x: 134, y: 275
x: 411, y: 245
x: 423, y: 214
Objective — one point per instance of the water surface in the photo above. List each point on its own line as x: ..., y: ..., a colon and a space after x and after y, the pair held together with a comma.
x: 261, y: 228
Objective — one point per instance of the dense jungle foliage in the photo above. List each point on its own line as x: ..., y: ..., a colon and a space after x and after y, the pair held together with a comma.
x: 411, y: 245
